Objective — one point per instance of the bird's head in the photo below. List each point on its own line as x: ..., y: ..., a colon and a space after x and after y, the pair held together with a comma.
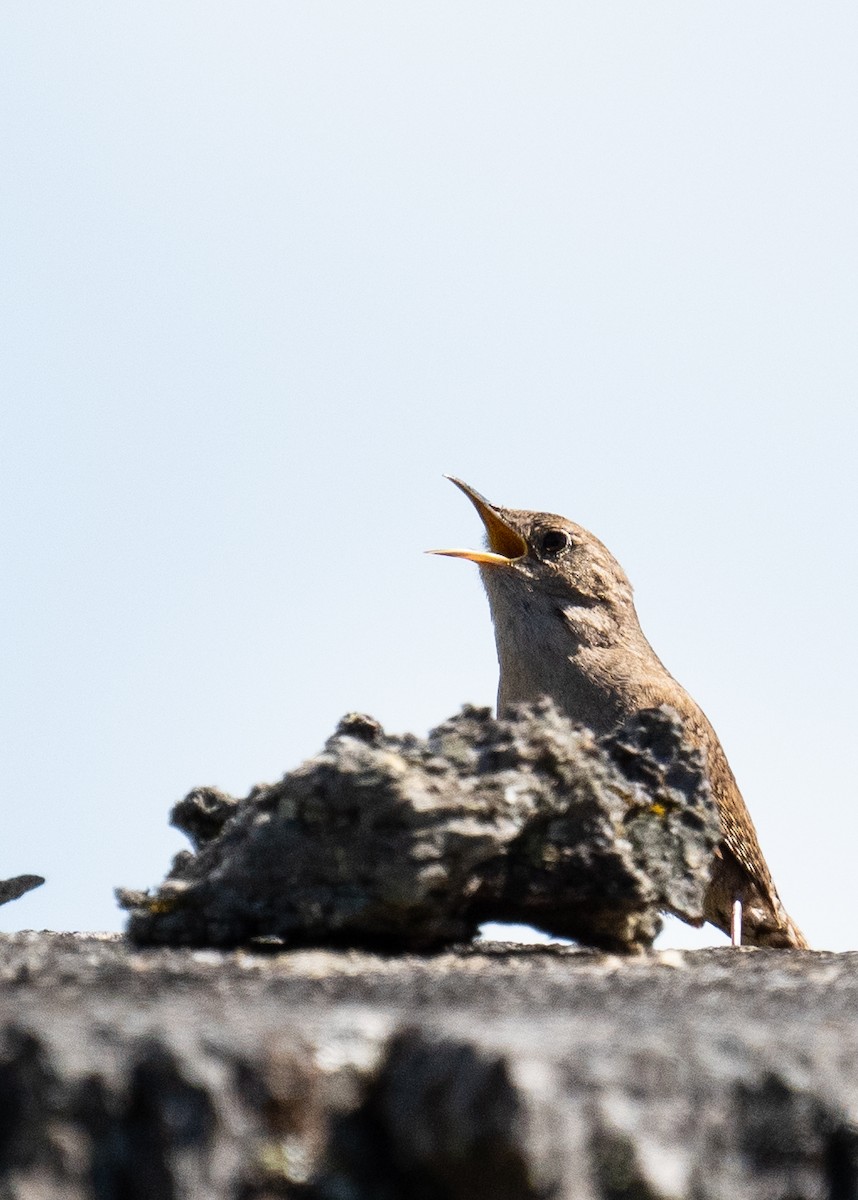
x: 543, y: 560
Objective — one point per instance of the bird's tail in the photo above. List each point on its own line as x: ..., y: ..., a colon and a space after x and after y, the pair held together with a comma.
x: 765, y: 921
x: 777, y: 930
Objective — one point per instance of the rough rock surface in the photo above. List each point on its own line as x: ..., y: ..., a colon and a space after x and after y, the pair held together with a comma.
x: 492, y: 1073
x: 17, y: 886
x: 397, y: 842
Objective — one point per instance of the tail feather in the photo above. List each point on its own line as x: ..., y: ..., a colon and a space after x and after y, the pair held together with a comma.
x: 765, y: 921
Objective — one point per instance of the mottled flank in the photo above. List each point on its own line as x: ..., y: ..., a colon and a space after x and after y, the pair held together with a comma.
x: 397, y: 842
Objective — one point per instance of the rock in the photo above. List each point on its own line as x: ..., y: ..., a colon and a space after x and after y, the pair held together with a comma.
x: 19, y: 885
x: 403, y: 843
x: 493, y: 1073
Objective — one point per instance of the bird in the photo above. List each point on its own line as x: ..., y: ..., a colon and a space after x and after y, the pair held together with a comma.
x: 566, y: 627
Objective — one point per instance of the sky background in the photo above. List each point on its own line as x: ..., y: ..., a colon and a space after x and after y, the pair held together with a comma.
x: 268, y: 270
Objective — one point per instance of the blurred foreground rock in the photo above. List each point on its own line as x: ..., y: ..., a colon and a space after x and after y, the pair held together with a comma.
x: 493, y: 1073
x: 403, y: 843
x: 17, y: 886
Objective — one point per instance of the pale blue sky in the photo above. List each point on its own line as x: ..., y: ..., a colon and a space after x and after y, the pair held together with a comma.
x: 269, y: 269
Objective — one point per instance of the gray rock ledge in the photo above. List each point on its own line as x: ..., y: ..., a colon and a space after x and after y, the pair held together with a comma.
x: 490, y: 1073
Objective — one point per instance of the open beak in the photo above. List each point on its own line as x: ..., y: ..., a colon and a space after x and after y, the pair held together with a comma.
x: 506, y: 544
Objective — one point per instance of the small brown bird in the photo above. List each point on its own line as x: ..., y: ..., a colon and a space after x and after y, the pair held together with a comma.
x: 566, y: 627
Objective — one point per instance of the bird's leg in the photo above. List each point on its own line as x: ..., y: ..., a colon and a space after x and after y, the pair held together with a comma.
x: 736, y: 923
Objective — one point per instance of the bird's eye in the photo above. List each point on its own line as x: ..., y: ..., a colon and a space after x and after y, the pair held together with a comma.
x: 554, y: 541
